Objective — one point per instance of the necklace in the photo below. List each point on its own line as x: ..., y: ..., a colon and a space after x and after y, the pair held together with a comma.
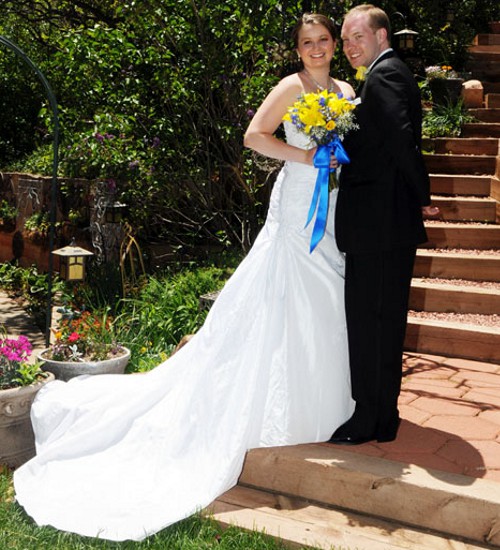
x: 319, y: 86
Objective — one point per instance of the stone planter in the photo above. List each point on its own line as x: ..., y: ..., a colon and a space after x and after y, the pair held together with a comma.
x: 65, y: 370
x: 17, y: 441
x: 445, y: 90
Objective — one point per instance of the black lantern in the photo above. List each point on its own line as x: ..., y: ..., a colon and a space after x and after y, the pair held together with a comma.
x: 405, y: 37
x: 72, y: 262
x: 113, y: 212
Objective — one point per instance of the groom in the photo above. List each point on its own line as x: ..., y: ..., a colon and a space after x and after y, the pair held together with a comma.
x: 384, y: 192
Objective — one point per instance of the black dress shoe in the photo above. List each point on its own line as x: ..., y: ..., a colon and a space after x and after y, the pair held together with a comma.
x: 388, y: 436
x: 348, y: 440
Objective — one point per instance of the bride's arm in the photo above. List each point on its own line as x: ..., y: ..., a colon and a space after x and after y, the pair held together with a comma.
x: 260, y: 133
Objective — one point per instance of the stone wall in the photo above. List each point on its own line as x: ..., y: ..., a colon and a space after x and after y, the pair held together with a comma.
x: 79, y: 216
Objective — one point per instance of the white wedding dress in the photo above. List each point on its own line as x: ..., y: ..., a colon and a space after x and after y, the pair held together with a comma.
x: 123, y: 456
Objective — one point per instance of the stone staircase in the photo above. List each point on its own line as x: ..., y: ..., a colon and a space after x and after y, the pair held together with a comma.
x: 455, y: 294
x: 325, y: 497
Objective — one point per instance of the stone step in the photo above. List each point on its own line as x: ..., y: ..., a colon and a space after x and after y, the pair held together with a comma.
x: 462, y: 235
x: 486, y: 39
x: 483, y: 69
x: 299, y: 523
x: 491, y: 87
x: 457, y: 265
x: 495, y: 27
x: 454, y: 184
x: 485, y: 51
x: 448, y: 296
x: 492, y: 101
x: 488, y: 114
x: 455, y: 339
x: 460, y: 164
x: 480, y: 209
x: 495, y: 190
x: 464, y: 146
x: 405, y: 493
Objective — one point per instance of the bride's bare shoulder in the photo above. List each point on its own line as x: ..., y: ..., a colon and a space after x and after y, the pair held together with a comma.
x: 285, y: 92
x: 291, y: 84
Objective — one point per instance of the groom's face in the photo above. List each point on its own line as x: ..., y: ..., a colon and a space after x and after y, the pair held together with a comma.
x: 361, y: 44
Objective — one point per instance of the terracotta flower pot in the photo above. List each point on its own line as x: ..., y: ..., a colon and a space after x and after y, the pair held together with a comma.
x: 17, y: 441
x: 65, y: 370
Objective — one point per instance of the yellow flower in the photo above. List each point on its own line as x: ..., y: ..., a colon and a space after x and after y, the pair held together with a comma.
x: 339, y: 105
x: 311, y: 117
x: 330, y: 125
x: 361, y: 73
x: 310, y: 99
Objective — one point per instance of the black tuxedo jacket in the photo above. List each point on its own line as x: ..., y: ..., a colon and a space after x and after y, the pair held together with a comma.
x: 382, y: 190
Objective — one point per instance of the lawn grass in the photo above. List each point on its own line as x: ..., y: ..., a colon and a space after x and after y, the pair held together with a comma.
x: 19, y: 532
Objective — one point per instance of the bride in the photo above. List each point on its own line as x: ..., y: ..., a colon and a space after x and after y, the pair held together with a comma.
x: 122, y: 456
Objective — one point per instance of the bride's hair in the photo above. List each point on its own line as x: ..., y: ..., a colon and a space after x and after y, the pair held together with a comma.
x: 313, y: 19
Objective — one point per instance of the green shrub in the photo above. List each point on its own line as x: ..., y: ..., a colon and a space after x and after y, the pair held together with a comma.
x: 167, y: 308
x: 445, y: 120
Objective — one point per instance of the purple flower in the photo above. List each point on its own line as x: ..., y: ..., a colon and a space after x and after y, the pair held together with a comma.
x: 250, y: 113
x: 133, y: 164
x: 109, y: 136
x: 99, y: 137
x: 156, y: 142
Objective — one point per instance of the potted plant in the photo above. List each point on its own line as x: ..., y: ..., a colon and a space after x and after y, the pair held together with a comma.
x: 445, y: 84
x: 37, y: 226
x: 20, y: 381
x: 84, y: 344
x: 8, y: 216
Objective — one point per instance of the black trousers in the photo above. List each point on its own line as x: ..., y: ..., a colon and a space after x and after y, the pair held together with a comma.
x: 376, y: 298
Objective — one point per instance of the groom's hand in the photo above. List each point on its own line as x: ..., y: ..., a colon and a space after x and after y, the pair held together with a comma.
x: 430, y: 211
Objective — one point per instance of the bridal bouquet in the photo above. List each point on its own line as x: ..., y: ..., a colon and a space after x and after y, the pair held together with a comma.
x: 325, y: 117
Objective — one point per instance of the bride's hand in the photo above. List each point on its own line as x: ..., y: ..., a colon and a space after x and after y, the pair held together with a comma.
x: 430, y: 211
x: 334, y: 163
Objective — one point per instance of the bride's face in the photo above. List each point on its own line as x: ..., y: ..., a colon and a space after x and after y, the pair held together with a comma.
x: 315, y: 45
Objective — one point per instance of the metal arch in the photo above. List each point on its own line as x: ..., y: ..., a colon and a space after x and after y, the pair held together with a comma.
x: 55, y: 142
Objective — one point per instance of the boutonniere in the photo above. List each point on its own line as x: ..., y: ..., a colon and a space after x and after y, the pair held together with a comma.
x: 361, y: 73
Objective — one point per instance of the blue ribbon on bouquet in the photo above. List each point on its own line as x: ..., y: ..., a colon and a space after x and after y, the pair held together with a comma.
x: 319, y: 200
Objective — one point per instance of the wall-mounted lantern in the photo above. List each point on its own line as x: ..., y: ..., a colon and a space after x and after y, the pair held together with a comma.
x: 114, y: 211
x: 405, y: 37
